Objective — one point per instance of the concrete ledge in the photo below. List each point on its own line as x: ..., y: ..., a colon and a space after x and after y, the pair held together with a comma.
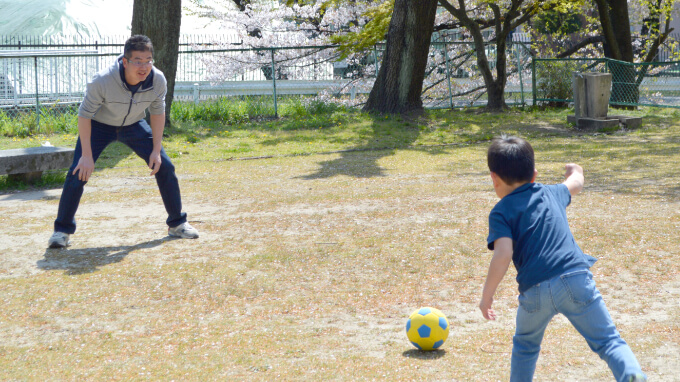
x: 29, y: 163
x: 610, y: 121
x: 593, y: 123
x: 628, y: 122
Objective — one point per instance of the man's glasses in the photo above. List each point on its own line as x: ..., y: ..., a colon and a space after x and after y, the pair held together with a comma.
x: 139, y: 64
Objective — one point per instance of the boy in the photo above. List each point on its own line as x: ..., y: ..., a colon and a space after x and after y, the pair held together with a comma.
x: 113, y: 109
x: 529, y: 226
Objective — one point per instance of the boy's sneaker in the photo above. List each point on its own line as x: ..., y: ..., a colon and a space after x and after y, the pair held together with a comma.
x: 637, y: 378
x: 184, y: 230
x: 58, y: 240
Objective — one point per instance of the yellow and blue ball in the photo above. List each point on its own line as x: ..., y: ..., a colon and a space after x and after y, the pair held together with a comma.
x: 427, y: 328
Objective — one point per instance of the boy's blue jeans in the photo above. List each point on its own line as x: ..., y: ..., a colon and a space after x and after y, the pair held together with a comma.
x: 139, y: 138
x: 575, y: 295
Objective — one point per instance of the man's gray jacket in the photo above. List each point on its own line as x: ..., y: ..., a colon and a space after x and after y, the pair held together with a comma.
x: 108, y: 99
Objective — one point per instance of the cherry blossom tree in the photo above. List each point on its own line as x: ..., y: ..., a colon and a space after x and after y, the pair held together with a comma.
x: 501, y: 17
x: 262, y: 25
x: 359, y: 28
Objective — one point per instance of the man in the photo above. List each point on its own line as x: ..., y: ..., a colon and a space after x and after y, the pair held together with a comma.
x: 113, y: 109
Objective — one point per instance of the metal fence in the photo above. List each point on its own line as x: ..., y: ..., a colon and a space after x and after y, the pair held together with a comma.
x: 654, y: 84
x: 31, y: 77
x: 49, y: 74
x: 278, y: 71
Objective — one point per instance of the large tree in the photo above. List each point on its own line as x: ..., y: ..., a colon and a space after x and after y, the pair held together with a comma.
x: 400, y: 78
x: 616, y: 28
x: 160, y: 21
x: 503, y: 19
x: 615, y: 24
x: 614, y: 19
x: 606, y: 32
x: 609, y: 30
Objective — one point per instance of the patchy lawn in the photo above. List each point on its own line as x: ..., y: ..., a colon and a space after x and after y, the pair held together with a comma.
x: 309, y: 265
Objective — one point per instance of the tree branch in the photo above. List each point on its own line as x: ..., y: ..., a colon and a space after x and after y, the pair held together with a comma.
x: 660, y: 39
x: 443, y: 27
x: 458, y: 13
x: 526, y: 15
x: 654, y: 49
x: 575, y: 48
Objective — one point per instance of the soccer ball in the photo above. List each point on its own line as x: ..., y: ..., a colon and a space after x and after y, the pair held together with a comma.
x: 427, y: 328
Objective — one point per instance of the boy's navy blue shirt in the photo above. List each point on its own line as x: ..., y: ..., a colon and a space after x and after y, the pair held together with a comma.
x: 534, y: 216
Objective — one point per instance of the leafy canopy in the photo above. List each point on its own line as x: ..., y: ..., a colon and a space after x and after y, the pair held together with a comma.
x: 373, y: 31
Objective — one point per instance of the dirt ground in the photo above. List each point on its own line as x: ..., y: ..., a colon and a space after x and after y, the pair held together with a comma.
x: 335, y: 250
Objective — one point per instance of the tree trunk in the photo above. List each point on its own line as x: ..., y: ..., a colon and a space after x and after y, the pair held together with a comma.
x: 160, y: 21
x: 503, y: 24
x: 496, y: 97
x: 402, y: 72
x: 616, y: 30
x: 618, y: 10
x: 495, y: 88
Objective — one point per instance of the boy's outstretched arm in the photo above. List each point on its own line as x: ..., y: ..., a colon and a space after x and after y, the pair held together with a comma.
x: 574, y: 178
x: 502, y: 255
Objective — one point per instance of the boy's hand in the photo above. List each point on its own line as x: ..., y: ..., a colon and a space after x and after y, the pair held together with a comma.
x: 485, y: 307
x: 573, y: 178
x: 502, y: 256
x: 571, y: 168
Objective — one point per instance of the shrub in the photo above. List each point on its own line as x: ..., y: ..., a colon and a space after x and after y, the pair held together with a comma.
x: 554, y: 81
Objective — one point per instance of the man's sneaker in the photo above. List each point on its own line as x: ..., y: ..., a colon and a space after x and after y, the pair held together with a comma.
x: 184, y: 230
x: 58, y: 240
x: 637, y: 378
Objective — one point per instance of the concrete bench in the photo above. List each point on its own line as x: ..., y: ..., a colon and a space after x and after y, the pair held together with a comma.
x: 27, y: 165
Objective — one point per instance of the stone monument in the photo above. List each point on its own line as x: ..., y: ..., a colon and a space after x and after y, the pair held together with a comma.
x: 591, y: 103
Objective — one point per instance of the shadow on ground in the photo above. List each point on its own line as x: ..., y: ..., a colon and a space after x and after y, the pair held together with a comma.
x: 88, y: 260
x: 420, y: 354
x: 366, y: 164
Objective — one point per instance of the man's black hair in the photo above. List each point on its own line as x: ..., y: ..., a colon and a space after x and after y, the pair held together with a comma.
x: 138, y: 43
x: 512, y: 159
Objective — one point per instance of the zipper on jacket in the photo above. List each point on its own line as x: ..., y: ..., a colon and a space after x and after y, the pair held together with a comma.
x: 129, y: 108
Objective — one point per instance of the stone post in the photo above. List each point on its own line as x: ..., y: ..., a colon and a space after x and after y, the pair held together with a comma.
x: 591, y: 103
x: 598, y: 87
x: 579, y: 88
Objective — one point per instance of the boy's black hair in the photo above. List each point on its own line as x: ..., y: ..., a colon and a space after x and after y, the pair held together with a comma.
x: 512, y: 159
x: 139, y: 43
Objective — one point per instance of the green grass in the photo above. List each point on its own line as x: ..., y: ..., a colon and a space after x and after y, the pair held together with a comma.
x: 49, y: 179
x: 26, y: 123
x: 224, y: 130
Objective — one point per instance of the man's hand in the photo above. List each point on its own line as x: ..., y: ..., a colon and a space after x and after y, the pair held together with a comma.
x: 155, y: 162
x: 485, y: 307
x: 84, y: 168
